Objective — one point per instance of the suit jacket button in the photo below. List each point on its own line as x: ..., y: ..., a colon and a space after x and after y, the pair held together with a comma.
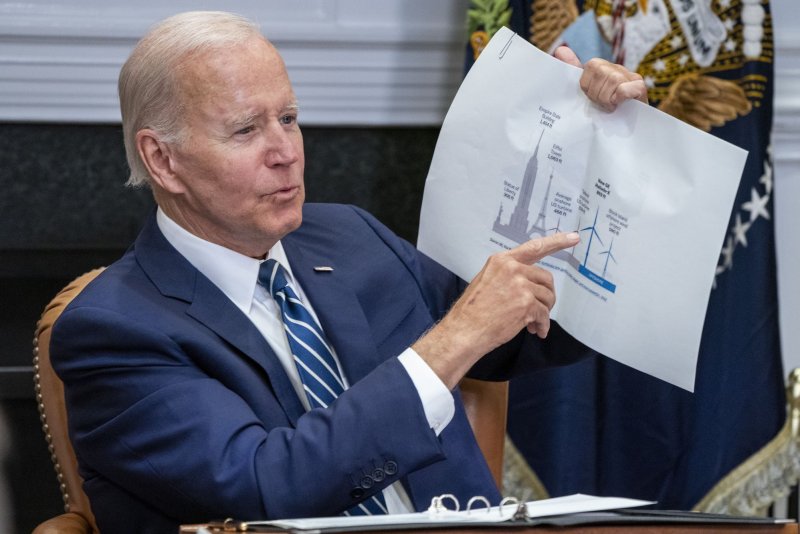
x: 390, y: 467
x: 378, y: 475
x: 367, y: 482
x: 357, y: 493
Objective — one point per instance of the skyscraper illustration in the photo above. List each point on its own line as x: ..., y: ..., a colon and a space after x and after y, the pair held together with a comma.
x: 517, y: 227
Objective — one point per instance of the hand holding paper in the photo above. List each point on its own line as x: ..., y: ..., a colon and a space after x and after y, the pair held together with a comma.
x: 606, y: 84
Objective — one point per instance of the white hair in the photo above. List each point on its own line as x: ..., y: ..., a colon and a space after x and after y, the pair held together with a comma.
x: 149, y: 95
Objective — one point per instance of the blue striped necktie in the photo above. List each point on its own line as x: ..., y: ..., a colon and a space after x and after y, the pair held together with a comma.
x: 312, y: 356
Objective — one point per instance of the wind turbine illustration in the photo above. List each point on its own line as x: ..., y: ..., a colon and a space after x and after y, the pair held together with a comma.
x: 609, y: 255
x: 591, y: 236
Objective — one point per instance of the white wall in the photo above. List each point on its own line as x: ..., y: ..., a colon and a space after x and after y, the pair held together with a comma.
x: 352, y: 62
x: 786, y: 152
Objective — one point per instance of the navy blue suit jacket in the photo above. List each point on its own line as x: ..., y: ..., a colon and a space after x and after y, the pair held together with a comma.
x: 180, y: 412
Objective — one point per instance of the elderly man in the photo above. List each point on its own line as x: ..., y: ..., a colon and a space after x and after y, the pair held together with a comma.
x: 251, y: 356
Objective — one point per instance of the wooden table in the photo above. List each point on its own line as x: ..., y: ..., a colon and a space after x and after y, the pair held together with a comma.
x: 688, y: 528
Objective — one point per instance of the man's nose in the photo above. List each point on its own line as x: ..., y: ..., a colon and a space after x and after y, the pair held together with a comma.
x: 283, y: 148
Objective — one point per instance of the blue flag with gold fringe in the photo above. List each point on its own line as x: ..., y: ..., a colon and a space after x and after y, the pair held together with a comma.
x: 598, y: 426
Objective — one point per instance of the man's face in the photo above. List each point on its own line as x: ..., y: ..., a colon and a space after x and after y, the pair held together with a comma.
x: 240, y: 166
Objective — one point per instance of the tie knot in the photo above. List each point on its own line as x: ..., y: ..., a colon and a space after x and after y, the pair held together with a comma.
x: 272, y: 276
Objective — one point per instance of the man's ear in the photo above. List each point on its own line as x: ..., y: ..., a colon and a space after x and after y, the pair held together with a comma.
x: 158, y: 157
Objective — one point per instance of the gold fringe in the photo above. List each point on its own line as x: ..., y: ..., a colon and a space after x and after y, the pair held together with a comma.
x: 519, y: 480
x: 769, y: 474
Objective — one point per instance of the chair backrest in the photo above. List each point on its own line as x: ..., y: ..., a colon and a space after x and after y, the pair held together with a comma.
x: 52, y: 410
x: 486, y: 404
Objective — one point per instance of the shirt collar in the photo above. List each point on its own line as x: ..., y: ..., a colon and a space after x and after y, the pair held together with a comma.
x: 233, y: 273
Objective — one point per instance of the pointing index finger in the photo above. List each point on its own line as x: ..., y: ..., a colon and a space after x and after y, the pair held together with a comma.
x: 534, y: 250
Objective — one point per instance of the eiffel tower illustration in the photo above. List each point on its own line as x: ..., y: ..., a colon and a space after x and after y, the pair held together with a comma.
x: 539, y: 225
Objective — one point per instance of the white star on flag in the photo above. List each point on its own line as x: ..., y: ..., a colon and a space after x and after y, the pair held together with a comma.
x: 659, y: 65
x: 724, y: 4
x: 683, y: 59
x: 766, y: 178
x: 757, y: 205
x: 676, y: 42
x: 727, y: 253
x: 740, y: 230
x: 729, y: 24
x: 730, y: 45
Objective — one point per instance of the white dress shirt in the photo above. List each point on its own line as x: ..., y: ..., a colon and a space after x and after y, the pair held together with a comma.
x: 236, y: 275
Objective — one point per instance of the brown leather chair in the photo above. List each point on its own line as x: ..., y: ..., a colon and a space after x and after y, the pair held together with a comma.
x: 486, y: 405
x: 78, y: 517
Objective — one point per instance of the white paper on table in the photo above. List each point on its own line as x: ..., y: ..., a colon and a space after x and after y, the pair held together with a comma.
x: 651, y: 197
x: 579, y: 503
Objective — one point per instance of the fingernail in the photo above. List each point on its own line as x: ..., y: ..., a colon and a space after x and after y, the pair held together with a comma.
x: 572, y: 236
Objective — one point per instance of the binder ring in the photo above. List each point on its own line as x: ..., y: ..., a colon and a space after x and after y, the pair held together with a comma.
x: 479, y: 498
x: 509, y: 500
x: 519, y: 513
x: 438, y: 506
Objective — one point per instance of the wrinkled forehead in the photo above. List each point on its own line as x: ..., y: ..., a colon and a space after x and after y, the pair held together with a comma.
x: 218, y: 71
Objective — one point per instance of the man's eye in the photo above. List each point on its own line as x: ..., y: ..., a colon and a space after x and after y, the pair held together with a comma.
x: 245, y: 130
x: 288, y: 119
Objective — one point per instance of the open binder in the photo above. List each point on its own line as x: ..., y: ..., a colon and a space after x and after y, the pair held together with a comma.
x: 445, y: 512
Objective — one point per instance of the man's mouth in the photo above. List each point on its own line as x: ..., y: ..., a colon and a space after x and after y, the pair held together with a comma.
x: 287, y: 192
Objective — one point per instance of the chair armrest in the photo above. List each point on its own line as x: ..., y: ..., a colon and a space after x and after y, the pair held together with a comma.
x: 68, y: 523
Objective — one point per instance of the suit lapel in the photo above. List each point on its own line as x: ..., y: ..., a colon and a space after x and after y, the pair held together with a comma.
x: 339, y: 311
x: 212, y: 308
x: 175, y: 277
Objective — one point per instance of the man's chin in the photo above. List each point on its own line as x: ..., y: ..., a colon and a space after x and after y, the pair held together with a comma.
x: 291, y: 220
x: 295, y: 225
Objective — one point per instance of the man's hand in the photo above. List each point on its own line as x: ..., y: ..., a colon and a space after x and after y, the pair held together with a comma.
x: 606, y: 84
x: 509, y: 294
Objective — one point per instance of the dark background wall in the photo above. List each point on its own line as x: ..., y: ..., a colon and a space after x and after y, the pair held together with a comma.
x: 64, y: 210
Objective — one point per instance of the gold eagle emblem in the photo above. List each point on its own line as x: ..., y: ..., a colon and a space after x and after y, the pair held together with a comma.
x: 705, y: 101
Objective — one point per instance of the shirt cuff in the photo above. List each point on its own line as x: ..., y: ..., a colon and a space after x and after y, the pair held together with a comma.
x: 437, y: 401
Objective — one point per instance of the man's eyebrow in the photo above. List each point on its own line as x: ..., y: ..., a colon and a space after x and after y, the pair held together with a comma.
x: 245, y: 119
